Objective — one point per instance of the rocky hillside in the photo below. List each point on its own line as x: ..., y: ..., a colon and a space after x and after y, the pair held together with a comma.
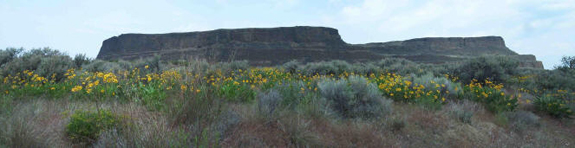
x: 272, y: 46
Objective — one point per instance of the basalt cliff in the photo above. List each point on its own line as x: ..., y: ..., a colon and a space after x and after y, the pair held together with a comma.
x: 273, y: 46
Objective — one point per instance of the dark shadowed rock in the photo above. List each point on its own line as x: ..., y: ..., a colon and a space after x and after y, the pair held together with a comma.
x: 272, y: 46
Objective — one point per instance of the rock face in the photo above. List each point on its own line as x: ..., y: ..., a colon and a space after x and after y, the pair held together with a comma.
x: 444, y: 46
x: 272, y: 46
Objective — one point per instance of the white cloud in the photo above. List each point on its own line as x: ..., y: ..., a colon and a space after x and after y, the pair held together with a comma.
x: 528, y: 26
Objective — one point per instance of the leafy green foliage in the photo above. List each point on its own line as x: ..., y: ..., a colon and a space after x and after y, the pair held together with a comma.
x: 553, y: 106
x: 492, y: 97
x: 86, y: 126
x: 236, y: 92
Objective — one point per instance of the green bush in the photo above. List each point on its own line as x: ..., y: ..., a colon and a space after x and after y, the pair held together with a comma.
x: 321, y: 68
x: 555, y: 80
x: 81, y: 59
x: 27, y: 60
x: 497, y: 69
x: 291, y: 66
x: 553, y: 106
x: 148, y: 65
x: 399, y: 66
x: 9, y: 54
x: 354, y: 98
x: 86, y: 126
x: 427, y: 79
x: 237, y: 92
x: 54, y: 67
x: 292, y: 95
x: 200, y: 108
x: 365, y: 68
x: 492, y: 98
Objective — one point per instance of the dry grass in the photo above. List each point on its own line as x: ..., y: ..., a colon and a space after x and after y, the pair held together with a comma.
x: 41, y: 123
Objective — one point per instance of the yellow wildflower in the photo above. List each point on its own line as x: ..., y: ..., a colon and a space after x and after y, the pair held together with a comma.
x: 77, y: 88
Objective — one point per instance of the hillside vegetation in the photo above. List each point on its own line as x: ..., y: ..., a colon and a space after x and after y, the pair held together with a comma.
x: 50, y: 99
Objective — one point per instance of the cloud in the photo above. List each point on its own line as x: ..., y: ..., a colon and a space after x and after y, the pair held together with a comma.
x: 544, y: 28
x: 528, y: 26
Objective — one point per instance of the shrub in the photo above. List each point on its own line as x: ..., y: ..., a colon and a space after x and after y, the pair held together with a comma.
x: 497, y: 69
x: 431, y: 83
x: 399, y: 65
x: 102, y: 66
x: 237, y: 92
x: 291, y: 66
x: 202, y: 107
x: 354, y: 98
x: 397, y: 124
x: 46, y: 62
x: 81, y: 59
x: 321, y: 68
x: 365, y: 68
x: 152, y: 64
x: 341, y: 66
x: 463, y: 110
x: 568, y: 62
x: 227, y: 67
x: 522, y: 120
x: 9, y: 54
x: 54, y: 67
x: 291, y: 93
x: 552, y: 106
x: 555, y: 80
x: 268, y: 102
x: 86, y: 126
x: 491, y: 96
x: 399, y: 88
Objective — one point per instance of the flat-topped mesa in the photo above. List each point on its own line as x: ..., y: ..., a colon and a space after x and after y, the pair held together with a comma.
x: 133, y: 46
x: 444, y: 46
x: 273, y: 46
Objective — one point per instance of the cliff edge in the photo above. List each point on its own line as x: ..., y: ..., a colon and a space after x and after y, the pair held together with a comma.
x: 272, y: 46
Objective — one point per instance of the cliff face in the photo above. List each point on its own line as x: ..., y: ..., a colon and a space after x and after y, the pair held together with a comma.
x: 271, y: 46
x: 444, y: 46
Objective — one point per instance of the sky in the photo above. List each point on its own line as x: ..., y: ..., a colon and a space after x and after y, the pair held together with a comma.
x: 545, y: 28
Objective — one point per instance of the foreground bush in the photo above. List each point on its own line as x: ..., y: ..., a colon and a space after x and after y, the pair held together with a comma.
x: 86, y: 126
x: 490, y: 95
x: 552, y: 106
x: 354, y: 98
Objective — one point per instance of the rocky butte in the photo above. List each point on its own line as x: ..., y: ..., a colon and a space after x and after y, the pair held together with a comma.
x: 273, y: 46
